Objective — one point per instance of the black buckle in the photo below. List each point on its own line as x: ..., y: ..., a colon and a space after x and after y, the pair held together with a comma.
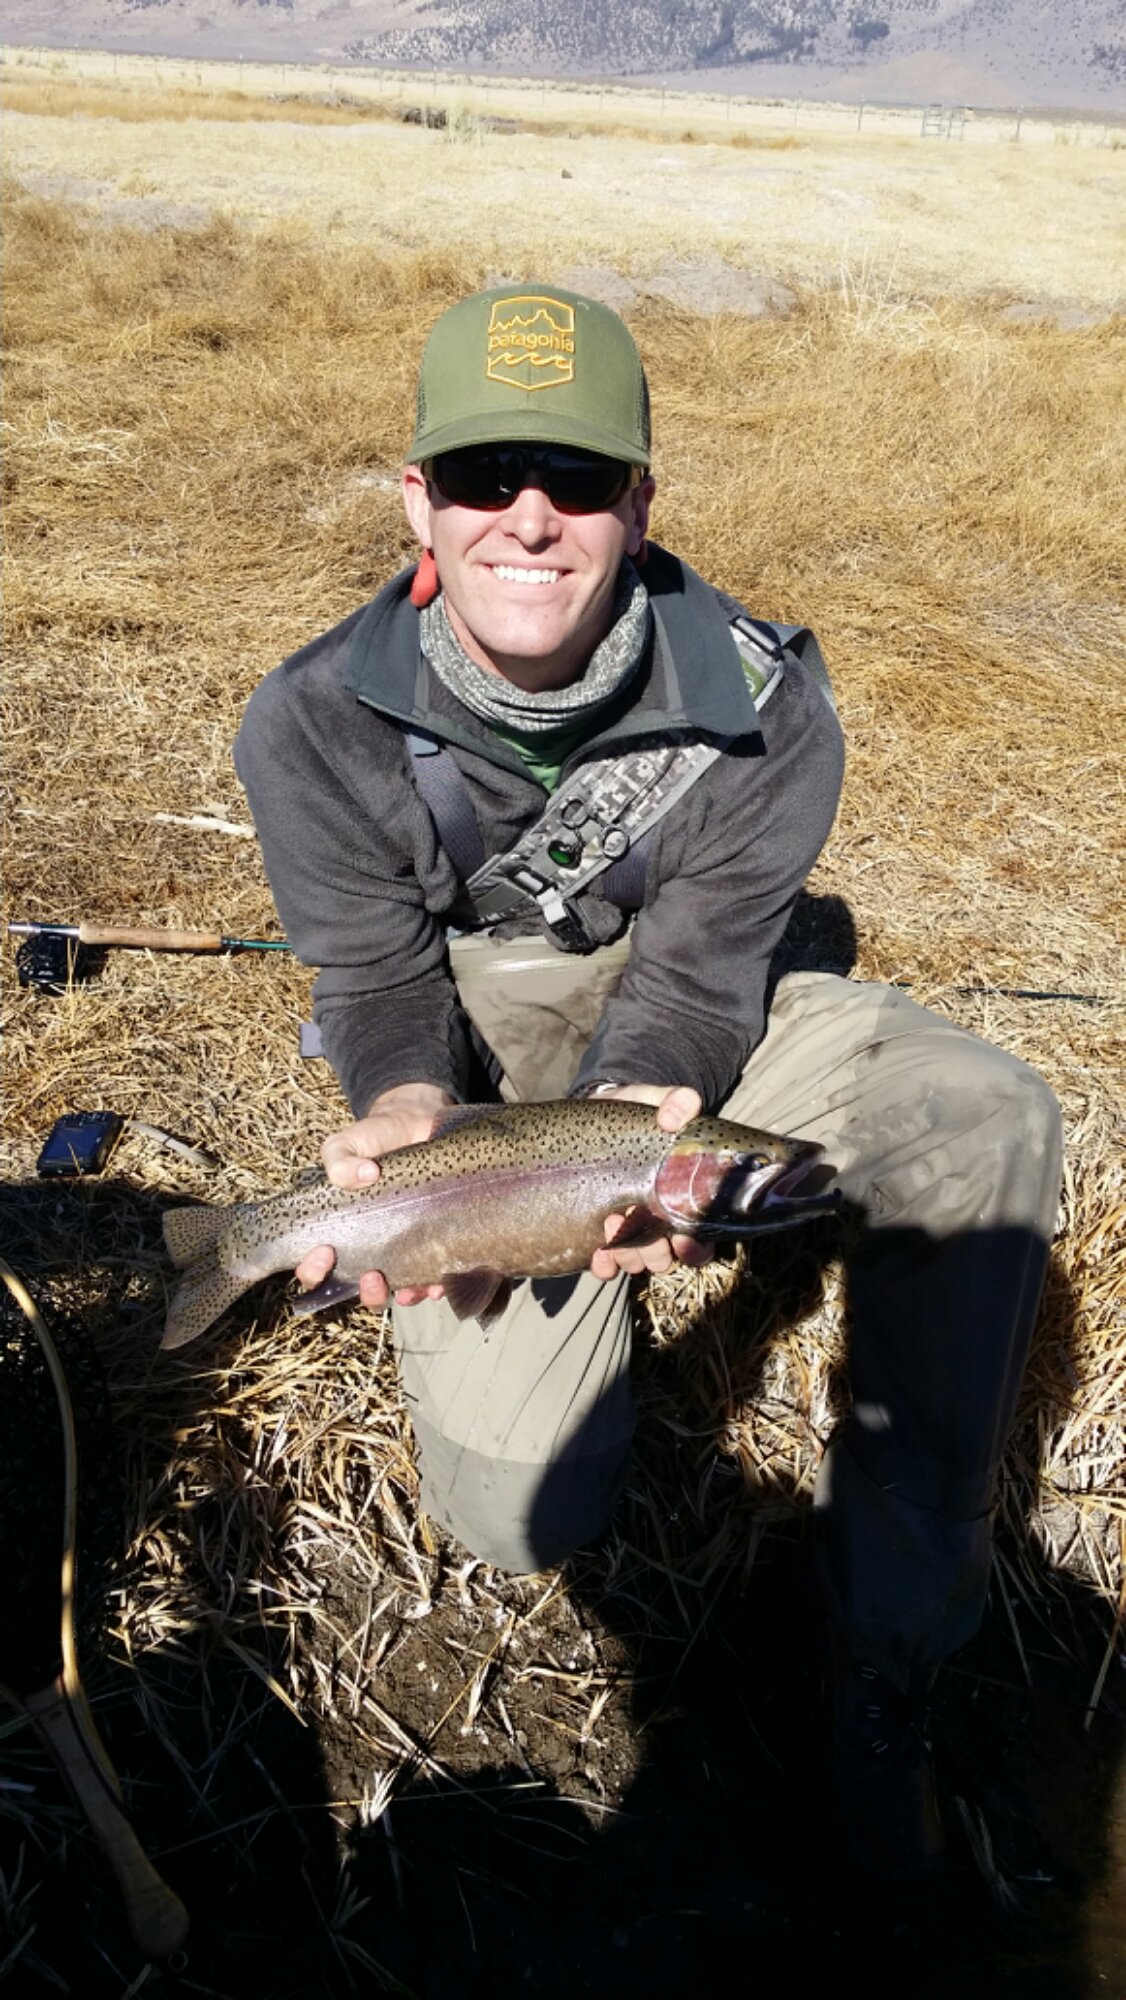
x: 569, y: 931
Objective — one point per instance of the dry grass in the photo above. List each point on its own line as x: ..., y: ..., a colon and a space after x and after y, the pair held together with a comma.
x: 1040, y: 222
x: 202, y: 434
x: 61, y: 97
x: 617, y: 109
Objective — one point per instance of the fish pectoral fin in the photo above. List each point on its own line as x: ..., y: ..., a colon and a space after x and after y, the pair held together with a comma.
x: 482, y: 1294
x: 639, y: 1226
x: 333, y: 1292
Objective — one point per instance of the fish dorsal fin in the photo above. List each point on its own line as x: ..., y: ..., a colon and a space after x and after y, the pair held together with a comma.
x: 462, y: 1114
x: 191, y: 1232
x: 482, y: 1294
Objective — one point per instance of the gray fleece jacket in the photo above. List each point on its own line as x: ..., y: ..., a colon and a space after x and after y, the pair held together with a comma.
x: 365, y: 891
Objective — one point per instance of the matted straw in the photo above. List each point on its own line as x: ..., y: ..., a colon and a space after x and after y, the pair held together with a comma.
x: 203, y: 432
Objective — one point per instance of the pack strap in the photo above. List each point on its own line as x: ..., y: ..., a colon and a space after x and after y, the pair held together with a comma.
x: 795, y: 639
x: 446, y: 793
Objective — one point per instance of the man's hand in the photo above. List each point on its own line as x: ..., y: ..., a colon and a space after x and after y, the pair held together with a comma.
x: 675, y: 1107
x: 401, y: 1117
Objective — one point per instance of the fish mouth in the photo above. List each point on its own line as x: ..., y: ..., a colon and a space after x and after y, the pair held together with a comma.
x: 708, y: 1194
x: 771, y: 1196
x: 777, y: 1180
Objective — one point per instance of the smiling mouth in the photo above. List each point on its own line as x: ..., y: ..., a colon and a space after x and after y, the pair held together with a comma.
x: 511, y: 573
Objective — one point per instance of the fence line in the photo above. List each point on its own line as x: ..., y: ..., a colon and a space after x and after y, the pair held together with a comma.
x: 652, y: 108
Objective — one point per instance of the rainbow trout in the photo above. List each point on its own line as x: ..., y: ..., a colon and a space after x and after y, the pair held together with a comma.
x: 497, y: 1192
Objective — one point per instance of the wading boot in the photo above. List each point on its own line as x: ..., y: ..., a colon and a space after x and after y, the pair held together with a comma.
x: 884, y: 1780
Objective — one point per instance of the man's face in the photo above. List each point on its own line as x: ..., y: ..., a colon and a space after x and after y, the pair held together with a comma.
x: 529, y: 590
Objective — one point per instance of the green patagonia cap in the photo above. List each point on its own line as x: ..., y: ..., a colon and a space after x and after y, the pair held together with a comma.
x: 532, y: 362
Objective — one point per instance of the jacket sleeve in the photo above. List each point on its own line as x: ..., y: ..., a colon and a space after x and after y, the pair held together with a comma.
x: 722, y: 880
x: 356, y: 877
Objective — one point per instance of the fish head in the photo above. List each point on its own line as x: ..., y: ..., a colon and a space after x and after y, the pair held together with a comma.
x: 719, y: 1178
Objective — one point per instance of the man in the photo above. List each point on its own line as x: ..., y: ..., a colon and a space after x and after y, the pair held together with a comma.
x: 403, y: 771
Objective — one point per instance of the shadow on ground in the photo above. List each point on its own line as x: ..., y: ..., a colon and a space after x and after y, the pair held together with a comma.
x: 202, y: 1745
x: 724, y: 1858
x: 697, y: 1846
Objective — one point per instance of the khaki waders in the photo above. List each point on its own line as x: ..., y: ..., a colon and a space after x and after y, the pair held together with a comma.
x: 950, y: 1147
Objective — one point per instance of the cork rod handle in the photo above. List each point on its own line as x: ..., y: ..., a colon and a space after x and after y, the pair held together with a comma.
x: 145, y: 939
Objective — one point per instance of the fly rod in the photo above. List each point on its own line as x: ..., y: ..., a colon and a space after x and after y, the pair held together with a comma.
x: 152, y: 939
x: 148, y: 938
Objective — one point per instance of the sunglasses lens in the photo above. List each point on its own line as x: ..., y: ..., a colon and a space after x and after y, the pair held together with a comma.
x: 471, y: 479
x: 490, y: 477
x: 583, y: 483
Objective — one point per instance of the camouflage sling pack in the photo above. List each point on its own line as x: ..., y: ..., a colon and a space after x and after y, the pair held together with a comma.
x: 599, y: 820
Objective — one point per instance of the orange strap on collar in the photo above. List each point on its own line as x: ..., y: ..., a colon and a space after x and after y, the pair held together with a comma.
x: 425, y: 585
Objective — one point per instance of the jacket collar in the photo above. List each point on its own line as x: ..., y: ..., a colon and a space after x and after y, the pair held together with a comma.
x: 695, y: 681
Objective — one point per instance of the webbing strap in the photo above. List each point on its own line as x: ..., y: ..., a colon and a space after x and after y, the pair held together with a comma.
x: 447, y: 795
x: 799, y: 640
x: 624, y: 880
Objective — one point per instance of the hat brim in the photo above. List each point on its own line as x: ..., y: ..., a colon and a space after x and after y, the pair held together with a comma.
x: 527, y: 426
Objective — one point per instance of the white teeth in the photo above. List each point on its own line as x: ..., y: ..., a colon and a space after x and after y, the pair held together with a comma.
x: 508, y: 573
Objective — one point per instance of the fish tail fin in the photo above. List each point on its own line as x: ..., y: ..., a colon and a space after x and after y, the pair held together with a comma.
x: 190, y: 1233
x: 202, y: 1295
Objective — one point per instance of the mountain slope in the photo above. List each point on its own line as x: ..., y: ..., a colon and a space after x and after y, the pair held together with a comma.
x: 1072, y: 52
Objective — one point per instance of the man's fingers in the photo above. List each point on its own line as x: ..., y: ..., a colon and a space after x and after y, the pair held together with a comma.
x: 632, y: 1258
x: 674, y: 1107
x: 374, y: 1289
x: 677, y: 1107
x: 656, y: 1258
x: 376, y: 1292
x: 691, y: 1251
x: 346, y: 1168
x: 315, y: 1267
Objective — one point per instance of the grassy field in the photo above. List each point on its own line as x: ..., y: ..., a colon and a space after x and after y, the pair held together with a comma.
x: 1034, y: 220
x: 203, y: 424
x: 606, y: 106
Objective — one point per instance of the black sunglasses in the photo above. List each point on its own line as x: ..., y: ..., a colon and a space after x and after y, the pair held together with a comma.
x: 490, y: 476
